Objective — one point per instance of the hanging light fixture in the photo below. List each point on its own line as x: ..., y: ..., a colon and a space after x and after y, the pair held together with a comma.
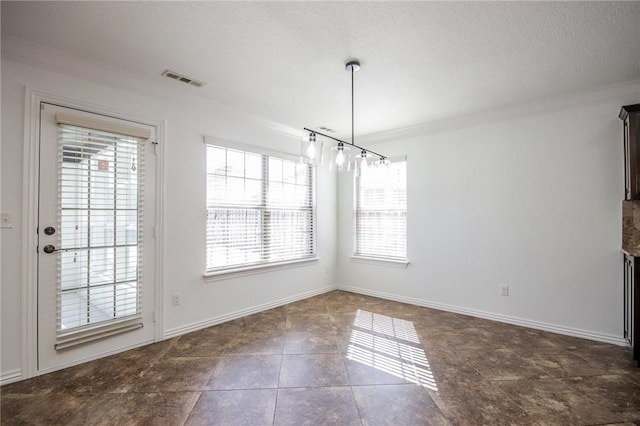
x: 340, y: 158
x: 311, y: 149
x: 362, y: 162
x: 383, y: 162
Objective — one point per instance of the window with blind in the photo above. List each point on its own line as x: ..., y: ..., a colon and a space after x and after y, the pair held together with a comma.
x: 381, y: 212
x: 100, y: 205
x: 260, y: 208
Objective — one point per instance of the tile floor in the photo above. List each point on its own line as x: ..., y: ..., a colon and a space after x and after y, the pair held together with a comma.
x: 342, y: 359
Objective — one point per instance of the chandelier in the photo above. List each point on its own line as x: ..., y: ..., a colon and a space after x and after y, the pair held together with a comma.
x: 341, y: 153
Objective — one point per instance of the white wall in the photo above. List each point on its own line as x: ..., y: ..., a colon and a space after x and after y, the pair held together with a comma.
x: 527, y: 197
x: 188, y: 118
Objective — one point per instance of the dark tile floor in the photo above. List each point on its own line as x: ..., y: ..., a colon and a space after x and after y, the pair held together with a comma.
x: 343, y: 359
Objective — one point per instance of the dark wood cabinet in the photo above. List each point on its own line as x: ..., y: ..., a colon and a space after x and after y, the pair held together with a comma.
x: 630, y: 116
x: 632, y: 304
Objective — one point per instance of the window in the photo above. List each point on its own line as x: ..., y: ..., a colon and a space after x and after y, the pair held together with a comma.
x: 381, y: 212
x: 260, y: 208
x: 100, y: 207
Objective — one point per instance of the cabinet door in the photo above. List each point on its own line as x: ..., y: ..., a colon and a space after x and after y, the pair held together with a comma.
x: 634, y: 315
x: 628, y: 290
x: 630, y: 116
x: 627, y: 161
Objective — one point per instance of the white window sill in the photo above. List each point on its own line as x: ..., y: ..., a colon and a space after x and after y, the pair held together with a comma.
x: 256, y: 269
x: 381, y: 261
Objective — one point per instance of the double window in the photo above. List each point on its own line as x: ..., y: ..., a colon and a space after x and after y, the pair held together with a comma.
x: 260, y: 208
x: 381, y: 212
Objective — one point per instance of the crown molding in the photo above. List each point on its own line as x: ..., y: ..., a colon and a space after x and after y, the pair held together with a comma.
x: 55, y: 60
x: 628, y: 90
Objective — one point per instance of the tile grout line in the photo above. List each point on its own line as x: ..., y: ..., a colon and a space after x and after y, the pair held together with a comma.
x: 284, y: 343
x: 343, y: 356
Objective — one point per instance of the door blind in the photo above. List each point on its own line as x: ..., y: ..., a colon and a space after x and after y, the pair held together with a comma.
x: 100, y: 204
x: 260, y: 209
x: 381, y: 212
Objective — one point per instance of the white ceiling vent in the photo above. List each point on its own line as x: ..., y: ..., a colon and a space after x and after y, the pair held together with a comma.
x: 183, y: 78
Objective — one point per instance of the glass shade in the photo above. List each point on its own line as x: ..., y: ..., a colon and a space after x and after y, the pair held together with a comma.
x: 363, y: 162
x: 381, y: 168
x: 311, y: 149
x: 382, y: 163
x: 340, y: 158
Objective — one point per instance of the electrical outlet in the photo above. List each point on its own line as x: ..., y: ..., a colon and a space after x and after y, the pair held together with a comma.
x: 175, y: 299
x: 504, y: 290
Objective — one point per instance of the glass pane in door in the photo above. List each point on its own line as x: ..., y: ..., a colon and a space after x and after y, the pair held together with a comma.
x: 100, y: 215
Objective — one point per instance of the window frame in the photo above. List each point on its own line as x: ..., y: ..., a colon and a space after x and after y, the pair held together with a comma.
x: 373, y: 259
x: 219, y: 273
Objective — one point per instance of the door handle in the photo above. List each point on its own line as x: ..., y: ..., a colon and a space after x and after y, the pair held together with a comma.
x: 51, y: 249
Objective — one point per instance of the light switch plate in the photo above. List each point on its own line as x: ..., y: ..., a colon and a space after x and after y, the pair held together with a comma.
x: 6, y: 220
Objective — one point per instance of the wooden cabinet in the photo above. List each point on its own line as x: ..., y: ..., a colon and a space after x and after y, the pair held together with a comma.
x: 630, y: 116
x: 632, y: 304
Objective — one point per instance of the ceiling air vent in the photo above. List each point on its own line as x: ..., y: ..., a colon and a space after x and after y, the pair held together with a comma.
x: 183, y: 78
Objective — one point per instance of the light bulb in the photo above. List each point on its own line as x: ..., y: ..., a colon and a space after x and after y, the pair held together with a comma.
x: 340, y: 158
x: 311, y: 151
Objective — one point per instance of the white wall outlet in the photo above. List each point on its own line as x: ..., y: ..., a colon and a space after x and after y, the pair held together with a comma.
x: 175, y: 299
x: 504, y: 290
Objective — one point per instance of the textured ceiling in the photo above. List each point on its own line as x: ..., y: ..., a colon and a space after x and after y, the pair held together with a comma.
x: 284, y: 61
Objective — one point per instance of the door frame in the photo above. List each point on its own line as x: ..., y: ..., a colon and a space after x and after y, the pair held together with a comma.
x: 30, y: 207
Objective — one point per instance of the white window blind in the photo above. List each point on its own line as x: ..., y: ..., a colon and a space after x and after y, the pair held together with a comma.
x: 381, y: 212
x: 100, y: 205
x: 260, y: 209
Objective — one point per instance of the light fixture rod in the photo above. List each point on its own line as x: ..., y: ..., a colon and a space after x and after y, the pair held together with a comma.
x: 348, y: 143
x: 353, y: 137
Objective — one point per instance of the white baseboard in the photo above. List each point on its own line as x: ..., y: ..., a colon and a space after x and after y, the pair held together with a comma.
x: 10, y: 376
x: 553, y: 328
x: 178, y: 331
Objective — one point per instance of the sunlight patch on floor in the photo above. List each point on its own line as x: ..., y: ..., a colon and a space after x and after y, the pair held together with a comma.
x: 390, y: 345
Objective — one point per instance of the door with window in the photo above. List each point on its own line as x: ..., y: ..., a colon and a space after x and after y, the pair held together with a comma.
x: 96, y: 248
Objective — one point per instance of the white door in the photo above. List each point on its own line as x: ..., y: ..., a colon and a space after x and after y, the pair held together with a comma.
x: 96, y: 249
